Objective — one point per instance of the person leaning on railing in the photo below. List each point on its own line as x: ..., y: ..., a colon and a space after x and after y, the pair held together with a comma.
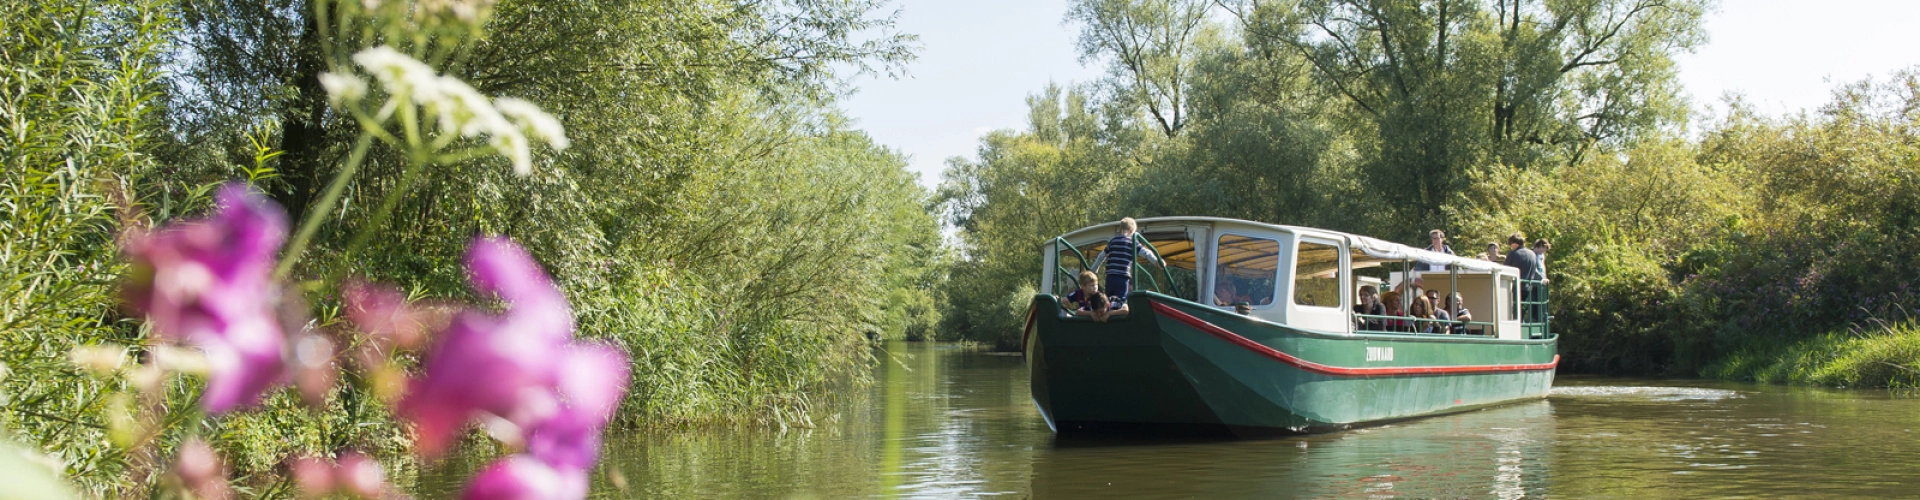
x: 1087, y: 300
x: 1399, y: 323
x: 1422, y: 312
x: 1369, y: 304
x: 1461, y: 316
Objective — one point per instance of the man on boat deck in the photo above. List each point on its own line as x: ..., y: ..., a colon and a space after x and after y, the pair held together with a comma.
x: 1540, y: 247
x: 1119, y: 257
x: 1519, y: 257
x: 1439, y: 244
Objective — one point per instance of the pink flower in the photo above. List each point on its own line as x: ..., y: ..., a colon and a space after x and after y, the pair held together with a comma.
x: 361, y: 475
x: 500, y: 267
x: 500, y: 364
x: 592, y: 380
x: 521, y: 477
x: 209, y: 282
x: 476, y: 366
x: 523, y: 367
x: 201, y: 471
x: 384, y: 315
x: 563, y: 447
x: 355, y: 474
x: 314, y: 476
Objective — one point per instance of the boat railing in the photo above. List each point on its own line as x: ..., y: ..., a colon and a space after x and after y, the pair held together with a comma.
x: 1534, y: 313
x: 1071, y: 280
x: 1486, y: 327
x: 1150, y: 283
x: 1164, y: 273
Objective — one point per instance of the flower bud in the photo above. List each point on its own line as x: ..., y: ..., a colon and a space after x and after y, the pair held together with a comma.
x: 122, y: 428
x: 360, y: 475
x: 201, y: 471
x: 100, y: 359
x: 146, y: 378
x: 313, y: 474
x: 343, y: 87
x: 313, y: 368
x: 180, y: 359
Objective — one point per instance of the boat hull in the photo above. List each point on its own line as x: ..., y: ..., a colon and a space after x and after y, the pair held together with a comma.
x: 1180, y: 367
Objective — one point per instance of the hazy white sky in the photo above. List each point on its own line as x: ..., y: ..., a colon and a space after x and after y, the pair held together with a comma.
x: 980, y: 59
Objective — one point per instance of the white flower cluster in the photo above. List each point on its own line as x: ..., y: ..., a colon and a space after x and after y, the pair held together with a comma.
x: 506, y: 123
x: 465, y: 10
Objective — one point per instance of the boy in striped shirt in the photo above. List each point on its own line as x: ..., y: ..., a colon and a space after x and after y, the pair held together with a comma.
x: 1119, y: 257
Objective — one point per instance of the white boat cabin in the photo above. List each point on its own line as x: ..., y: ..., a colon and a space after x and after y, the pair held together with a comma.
x: 1303, y: 278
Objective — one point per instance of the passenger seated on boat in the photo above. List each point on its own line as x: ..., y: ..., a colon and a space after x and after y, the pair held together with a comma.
x: 1225, y: 294
x: 1259, y: 292
x: 1369, y: 304
x: 1461, y: 315
x: 1400, y: 324
x: 1422, y: 312
x: 1087, y: 297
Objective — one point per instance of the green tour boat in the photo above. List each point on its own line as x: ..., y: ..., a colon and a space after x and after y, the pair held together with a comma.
x: 1249, y: 329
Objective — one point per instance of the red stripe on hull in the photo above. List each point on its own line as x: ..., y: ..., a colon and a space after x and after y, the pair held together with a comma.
x: 1290, y: 359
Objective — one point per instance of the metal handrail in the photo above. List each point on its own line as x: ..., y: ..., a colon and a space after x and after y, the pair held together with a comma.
x: 1537, y: 309
x: 1411, y: 318
x: 1142, y: 240
x: 1071, y: 279
x: 1057, y: 241
x: 1154, y: 284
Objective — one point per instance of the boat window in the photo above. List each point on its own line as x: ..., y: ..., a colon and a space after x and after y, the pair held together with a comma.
x: 1316, y: 274
x: 1182, y: 266
x: 1246, y: 270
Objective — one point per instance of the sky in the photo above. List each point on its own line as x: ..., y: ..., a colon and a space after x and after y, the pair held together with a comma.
x: 980, y: 59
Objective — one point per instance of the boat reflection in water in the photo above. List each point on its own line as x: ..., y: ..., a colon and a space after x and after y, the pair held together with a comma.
x: 1502, y: 452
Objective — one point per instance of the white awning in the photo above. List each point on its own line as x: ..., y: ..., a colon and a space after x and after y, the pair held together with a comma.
x: 1387, y: 250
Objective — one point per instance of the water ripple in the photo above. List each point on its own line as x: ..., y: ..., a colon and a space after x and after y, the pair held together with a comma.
x: 1646, y: 393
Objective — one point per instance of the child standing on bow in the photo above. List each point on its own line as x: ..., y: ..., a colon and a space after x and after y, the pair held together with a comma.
x: 1119, y: 257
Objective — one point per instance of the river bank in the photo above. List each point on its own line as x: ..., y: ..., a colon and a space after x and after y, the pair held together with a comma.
x: 1886, y: 356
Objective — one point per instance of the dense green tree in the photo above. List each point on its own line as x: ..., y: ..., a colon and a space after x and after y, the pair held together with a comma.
x: 715, y: 214
x: 1150, y: 48
x: 1061, y: 174
x: 1440, y: 88
x: 79, y: 82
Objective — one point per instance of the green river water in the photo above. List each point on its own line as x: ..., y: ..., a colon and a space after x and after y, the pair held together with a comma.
x: 943, y: 421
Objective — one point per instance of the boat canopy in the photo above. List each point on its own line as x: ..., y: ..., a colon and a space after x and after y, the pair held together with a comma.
x: 1304, y: 277
x: 1390, y: 251
x: 1380, y: 251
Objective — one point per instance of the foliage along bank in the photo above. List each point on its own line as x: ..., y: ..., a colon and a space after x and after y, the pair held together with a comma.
x: 1391, y: 118
x: 714, y: 215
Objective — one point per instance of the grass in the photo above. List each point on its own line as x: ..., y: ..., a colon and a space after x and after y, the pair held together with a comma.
x: 1886, y: 356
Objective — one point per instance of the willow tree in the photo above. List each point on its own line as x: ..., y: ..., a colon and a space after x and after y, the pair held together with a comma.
x: 704, y: 141
x: 1059, y: 174
x: 1440, y: 87
x: 1150, y: 47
